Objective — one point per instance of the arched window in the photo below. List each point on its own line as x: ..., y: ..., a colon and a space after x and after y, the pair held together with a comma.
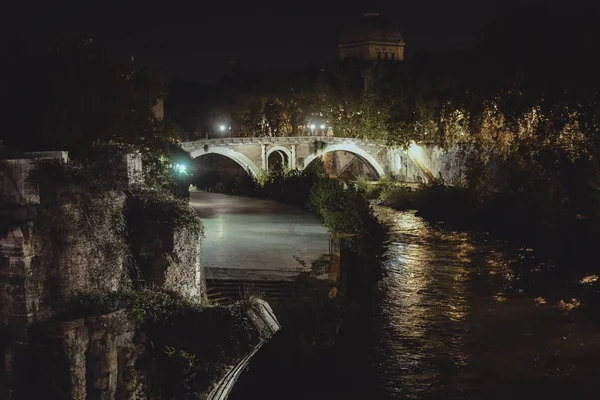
x: 393, y: 56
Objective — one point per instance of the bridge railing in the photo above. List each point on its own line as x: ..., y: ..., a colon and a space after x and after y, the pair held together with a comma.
x: 274, y: 140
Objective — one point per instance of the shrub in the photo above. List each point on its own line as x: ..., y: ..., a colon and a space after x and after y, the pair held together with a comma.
x: 370, y: 190
x: 96, y: 176
x: 347, y: 213
x: 399, y: 197
x: 156, y: 206
x: 184, y: 362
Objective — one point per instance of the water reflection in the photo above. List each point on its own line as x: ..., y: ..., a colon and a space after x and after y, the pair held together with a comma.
x: 456, y: 323
x: 459, y: 317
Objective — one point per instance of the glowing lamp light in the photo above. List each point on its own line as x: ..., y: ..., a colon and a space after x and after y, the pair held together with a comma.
x: 180, y: 168
x: 322, y: 126
x: 416, y: 152
x: 312, y: 126
x: 222, y: 128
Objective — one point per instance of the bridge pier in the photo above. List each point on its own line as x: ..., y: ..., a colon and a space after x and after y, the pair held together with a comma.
x: 263, y: 156
x: 293, y: 158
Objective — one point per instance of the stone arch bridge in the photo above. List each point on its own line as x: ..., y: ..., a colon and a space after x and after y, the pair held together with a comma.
x: 417, y: 164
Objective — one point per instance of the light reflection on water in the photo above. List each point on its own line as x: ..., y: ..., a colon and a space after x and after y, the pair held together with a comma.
x: 455, y: 324
x: 457, y: 317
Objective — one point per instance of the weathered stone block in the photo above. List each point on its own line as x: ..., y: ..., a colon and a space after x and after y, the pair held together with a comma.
x: 172, y: 260
x: 92, y: 358
x: 88, y: 251
x: 15, y: 184
x: 133, y: 165
x: 62, y: 156
x: 186, y: 276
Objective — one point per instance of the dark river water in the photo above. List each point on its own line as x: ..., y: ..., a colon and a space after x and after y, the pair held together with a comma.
x: 456, y: 317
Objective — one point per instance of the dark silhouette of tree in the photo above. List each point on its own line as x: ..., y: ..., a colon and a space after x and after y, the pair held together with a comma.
x: 72, y: 97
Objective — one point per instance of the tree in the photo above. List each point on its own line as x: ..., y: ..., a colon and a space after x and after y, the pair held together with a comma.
x: 72, y: 98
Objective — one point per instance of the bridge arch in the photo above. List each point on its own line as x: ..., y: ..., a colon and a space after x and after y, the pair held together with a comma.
x: 350, y: 148
x: 282, y: 149
x: 238, y: 157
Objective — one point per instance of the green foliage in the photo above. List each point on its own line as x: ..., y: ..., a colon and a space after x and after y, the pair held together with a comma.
x: 160, y: 171
x: 185, y: 362
x: 155, y: 206
x: 375, y: 190
x: 100, y: 171
x: 171, y: 323
x: 398, y: 197
x: 96, y: 303
x: 317, y: 146
x: 347, y: 213
x: 193, y: 364
x: 82, y: 201
x: 316, y: 168
x: 273, y: 104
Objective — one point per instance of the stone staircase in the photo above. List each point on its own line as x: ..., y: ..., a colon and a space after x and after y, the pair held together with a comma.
x: 225, y: 291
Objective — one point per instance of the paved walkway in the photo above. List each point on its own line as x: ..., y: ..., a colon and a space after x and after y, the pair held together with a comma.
x: 256, y: 239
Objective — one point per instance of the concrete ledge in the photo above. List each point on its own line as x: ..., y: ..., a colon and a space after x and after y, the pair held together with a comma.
x: 266, y: 323
x: 46, y: 155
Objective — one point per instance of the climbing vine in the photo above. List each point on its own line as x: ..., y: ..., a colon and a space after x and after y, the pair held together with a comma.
x: 80, y: 220
x: 317, y: 146
x: 156, y: 206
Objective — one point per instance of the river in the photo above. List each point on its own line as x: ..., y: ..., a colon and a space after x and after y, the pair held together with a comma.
x: 458, y: 316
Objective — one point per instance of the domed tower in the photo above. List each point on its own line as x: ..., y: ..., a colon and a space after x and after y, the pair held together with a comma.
x: 372, y: 39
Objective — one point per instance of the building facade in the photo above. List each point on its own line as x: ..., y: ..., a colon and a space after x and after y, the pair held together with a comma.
x: 372, y: 39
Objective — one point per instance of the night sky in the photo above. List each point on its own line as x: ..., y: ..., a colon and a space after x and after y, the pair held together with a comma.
x: 196, y: 40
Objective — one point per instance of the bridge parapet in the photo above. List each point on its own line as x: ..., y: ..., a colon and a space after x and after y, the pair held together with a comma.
x: 280, y: 140
x: 419, y: 163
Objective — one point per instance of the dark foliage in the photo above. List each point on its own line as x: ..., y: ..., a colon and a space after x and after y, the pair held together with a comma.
x: 72, y: 97
x: 160, y: 208
x: 183, y: 364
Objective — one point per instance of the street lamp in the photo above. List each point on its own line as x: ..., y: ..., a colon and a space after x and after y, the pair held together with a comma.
x: 181, y: 169
x: 222, y: 128
x: 312, y: 129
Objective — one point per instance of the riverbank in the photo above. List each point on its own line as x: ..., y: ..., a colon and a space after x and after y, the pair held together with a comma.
x: 526, y: 221
x: 102, y: 289
x: 343, y: 210
x: 457, y: 316
x: 311, y: 319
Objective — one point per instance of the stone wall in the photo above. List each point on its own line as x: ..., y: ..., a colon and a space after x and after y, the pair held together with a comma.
x: 423, y: 163
x: 52, y: 246
x: 107, y: 357
x: 403, y: 168
x: 86, y: 358
x: 447, y: 165
x: 171, y: 258
x: 81, y: 242
x: 58, y: 240
x: 347, y: 165
x: 19, y: 297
